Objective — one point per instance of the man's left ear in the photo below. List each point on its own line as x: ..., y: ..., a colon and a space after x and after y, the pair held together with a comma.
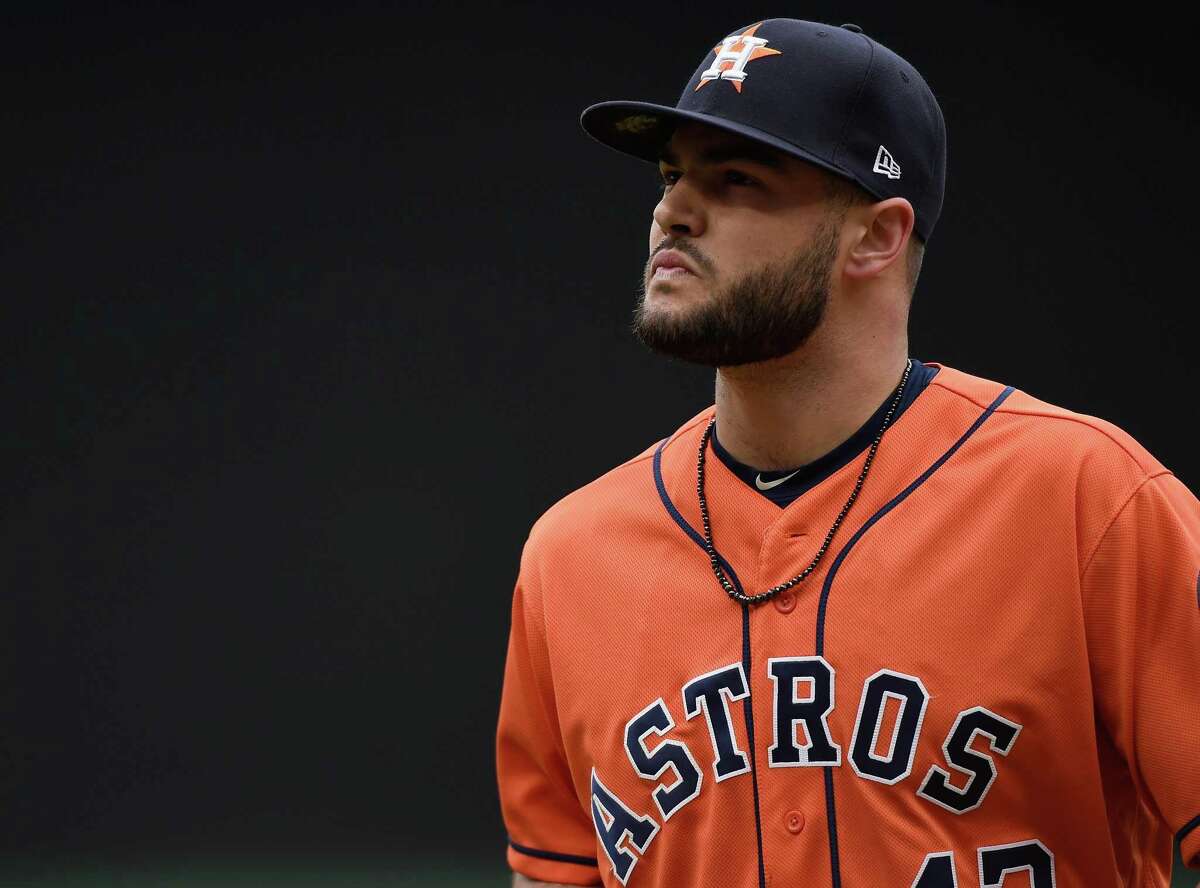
x: 888, y: 227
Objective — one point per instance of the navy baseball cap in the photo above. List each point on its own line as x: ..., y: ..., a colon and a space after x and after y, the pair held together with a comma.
x: 828, y: 95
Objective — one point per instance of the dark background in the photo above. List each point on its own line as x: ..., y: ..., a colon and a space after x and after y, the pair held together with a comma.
x: 309, y: 311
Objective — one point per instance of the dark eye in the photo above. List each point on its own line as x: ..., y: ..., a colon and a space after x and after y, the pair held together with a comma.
x: 732, y: 176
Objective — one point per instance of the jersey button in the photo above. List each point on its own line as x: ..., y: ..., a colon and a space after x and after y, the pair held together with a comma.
x: 785, y: 602
x: 794, y: 821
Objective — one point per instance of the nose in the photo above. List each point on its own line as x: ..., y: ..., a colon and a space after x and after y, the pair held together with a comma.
x: 680, y: 211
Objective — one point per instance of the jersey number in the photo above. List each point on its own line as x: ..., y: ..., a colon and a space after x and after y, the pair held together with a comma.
x: 995, y: 862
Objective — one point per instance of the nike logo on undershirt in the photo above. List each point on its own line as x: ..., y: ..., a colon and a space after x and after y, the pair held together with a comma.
x: 767, y: 485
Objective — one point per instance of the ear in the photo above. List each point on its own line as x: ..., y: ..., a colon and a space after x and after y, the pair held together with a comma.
x: 886, y: 227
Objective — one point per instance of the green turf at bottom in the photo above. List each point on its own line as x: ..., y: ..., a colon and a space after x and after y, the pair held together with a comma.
x: 191, y: 874
x: 265, y: 875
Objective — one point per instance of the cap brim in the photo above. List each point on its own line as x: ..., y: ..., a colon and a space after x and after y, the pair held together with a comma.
x: 643, y: 128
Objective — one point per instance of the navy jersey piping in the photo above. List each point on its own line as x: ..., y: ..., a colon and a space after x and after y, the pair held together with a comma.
x: 830, y: 809
x: 1192, y: 824
x: 748, y: 707
x: 895, y: 501
x: 803, y: 478
x: 554, y: 855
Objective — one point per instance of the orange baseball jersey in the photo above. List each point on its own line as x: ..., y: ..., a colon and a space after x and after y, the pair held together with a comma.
x: 992, y: 678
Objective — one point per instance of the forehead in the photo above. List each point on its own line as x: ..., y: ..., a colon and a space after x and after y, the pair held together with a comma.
x: 710, y: 145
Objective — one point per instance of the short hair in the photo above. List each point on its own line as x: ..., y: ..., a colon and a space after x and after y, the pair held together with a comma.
x: 843, y: 194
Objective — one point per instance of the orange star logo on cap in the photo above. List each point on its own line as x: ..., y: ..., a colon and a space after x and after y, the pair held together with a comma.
x: 733, y: 54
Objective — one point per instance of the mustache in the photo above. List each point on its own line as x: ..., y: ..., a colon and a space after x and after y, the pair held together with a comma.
x: 679, y: 247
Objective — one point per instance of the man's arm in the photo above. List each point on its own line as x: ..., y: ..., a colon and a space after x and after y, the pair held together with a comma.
x: 1141, y: 601
x: 551, y: 834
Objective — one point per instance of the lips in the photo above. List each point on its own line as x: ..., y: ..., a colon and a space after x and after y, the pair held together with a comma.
x: 670, y: 259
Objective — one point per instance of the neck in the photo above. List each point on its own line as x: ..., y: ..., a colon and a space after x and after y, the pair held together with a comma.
x: 789, y: 411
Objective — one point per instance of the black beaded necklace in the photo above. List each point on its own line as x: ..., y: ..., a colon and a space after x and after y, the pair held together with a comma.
x: 708, y: 543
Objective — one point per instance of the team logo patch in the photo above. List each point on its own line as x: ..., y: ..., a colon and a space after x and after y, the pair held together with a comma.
x: 733, y: 54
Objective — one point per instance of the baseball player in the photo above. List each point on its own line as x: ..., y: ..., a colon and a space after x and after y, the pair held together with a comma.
x: 865, y: 620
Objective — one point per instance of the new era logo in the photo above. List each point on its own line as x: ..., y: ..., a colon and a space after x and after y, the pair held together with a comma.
x: 886, y: 164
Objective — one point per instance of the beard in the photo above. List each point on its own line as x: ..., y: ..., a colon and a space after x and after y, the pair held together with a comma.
x: 762, y: 314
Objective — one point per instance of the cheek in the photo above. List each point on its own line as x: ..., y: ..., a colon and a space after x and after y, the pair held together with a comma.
x: 756, y: 249
x: 757, y: 244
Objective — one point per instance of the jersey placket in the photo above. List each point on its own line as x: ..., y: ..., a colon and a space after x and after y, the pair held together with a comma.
x: 786, y: 672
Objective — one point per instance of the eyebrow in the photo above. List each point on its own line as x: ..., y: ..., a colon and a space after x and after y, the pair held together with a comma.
x: 721, y: 153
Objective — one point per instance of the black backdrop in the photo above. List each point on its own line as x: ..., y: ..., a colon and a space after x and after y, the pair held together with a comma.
x: 309, y: 312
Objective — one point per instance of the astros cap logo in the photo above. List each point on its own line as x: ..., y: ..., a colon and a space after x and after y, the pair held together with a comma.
x: 733, y: 53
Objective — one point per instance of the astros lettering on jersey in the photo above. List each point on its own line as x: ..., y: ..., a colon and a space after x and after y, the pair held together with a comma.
x: 992, y: 678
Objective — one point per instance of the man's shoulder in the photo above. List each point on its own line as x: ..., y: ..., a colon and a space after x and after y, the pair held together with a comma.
x: 622, y: 497
x: 1050, y: 432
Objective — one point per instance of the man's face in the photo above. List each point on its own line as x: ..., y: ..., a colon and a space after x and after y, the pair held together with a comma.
x: 761, y: 239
